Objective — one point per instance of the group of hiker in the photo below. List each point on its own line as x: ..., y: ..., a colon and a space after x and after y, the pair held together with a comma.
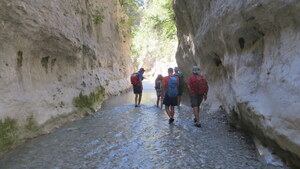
x: 169, y: 90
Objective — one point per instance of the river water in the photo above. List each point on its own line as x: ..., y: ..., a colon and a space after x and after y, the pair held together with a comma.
x: 122, y: 136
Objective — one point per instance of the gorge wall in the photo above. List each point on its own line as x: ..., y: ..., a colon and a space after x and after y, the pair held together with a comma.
x: 250, y: 53
x: 56, y: 60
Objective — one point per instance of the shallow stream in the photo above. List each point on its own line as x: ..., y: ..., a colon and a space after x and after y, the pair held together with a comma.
x: 122, y: 136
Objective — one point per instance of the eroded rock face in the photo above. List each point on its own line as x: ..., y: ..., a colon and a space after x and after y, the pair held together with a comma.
x: 250, y: 53
x: 50, y: 51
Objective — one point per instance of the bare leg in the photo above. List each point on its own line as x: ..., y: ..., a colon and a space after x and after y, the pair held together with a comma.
x: 196, y: 114
x: 136, y: 99
x: 168, y: 111
x: 172, y: 112
x: 179, y: 100
x: 140, y: 98
x: 157, y: 101
x: 161, y: 102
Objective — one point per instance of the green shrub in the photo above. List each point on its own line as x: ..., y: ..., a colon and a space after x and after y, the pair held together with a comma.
x: 82, y: 101
x: 98, y: 15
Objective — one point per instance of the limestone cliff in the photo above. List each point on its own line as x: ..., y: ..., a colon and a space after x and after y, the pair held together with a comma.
x: 59, y: 56
x: 250, y: 53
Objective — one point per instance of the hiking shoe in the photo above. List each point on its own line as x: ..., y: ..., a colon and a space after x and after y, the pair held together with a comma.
x: 195, y: 120
x: 136, y: 106
x: 171, y: 120
x: 198, y: 125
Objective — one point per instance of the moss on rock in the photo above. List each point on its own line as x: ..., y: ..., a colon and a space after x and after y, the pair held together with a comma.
x: 31, y: 125
x: 8, y: 133
x: 88, y: 101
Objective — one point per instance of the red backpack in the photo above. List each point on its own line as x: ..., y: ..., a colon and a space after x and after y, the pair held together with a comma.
x: 134, y: 78
x: 199, y: 84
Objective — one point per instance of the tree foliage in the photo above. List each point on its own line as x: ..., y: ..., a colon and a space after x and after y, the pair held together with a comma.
x: 162, y: 19
x: 133, y: 10
x: 152, y: 26
x: 155, y: 38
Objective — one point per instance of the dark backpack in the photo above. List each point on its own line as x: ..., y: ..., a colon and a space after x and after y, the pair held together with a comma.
x: 158, y: 84
x: 134, y: 78
x: 172, y: 90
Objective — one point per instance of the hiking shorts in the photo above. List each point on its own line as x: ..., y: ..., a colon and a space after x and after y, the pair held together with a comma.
x: 180, y: 89
x: 170, y: 101
x: 137, y: 89
x: 158, y: 92
x: 196, y: 99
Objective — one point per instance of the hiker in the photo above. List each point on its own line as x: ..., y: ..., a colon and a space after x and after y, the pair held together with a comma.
x: 198, y: 89
x: 136, y: 81
x: 158, y: 88
x: 170, y: 90
x: 181, y: 83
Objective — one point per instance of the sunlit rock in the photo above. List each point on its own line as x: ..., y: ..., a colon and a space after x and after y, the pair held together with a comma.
x: 51, y: 51
x: 250, y: 54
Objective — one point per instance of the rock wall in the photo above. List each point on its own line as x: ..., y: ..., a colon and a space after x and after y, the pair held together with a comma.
x: 250, y: 53
x: 51, y: 51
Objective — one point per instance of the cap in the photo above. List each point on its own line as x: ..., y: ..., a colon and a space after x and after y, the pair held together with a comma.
x: 196, y: 69
x: 176, y: 68
x: 170, y: 69
x: 160, y: 76
x: 142, y: 70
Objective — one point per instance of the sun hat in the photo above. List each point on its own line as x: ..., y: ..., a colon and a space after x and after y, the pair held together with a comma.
x: 196, y: 69
x: 176, y: 68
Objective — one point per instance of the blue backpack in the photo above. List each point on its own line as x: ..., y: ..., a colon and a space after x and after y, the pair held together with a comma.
x: 172, y: 90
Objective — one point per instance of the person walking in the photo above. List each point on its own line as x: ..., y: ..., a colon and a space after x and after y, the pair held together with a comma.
x: 181, y: 84
x: 158, y: 88
x: 170, y: 87
x: 198, y: 89
x: 136, y: 81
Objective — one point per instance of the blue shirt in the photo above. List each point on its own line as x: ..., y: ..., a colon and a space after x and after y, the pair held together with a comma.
x: 140, y: 77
